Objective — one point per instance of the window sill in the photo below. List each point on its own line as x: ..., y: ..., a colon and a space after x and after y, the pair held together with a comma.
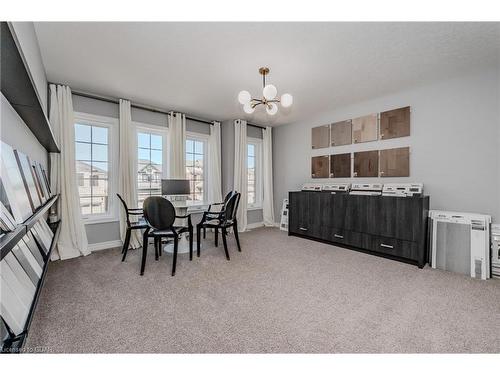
x: 254, y: 208
x: 100, y: 220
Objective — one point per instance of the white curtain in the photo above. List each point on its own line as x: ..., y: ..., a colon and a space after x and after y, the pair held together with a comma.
x: 177, y: 145
x: 127, y: 185
x: 240, y: 170
x: 73, y: 238
x: 214, y: 179
x: 267, y: 176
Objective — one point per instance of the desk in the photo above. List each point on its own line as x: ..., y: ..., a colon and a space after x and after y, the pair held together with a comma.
x: 182, y: 208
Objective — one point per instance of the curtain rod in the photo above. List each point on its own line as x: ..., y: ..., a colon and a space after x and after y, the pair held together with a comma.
x: 135, y: 105
x: 140, y: 106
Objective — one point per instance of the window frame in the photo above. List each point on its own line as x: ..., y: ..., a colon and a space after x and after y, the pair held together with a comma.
x: 199, y: 137
x: 111, y: 124
x: 156, y: 130
x: 259, y: 187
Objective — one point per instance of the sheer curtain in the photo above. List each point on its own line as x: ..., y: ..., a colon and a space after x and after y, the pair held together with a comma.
x: 267, y: 176
x: 127, y: 185
x: 240, y: 170
x: 177, y: 145
x: 73, y: 238
x: 214, y: 190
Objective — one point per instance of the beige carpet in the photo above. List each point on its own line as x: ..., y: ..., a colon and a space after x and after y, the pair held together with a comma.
x: 281, y: 294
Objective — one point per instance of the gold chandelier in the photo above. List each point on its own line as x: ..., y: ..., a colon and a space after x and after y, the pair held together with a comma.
x: 269, y: 97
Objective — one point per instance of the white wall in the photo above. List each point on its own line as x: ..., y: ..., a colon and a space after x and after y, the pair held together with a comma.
x: 16, y: 133
x: 26, y: 37
x: 454, y: 143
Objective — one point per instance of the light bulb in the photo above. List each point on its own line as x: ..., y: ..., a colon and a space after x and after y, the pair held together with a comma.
x: 248, y: 108
x: 270, y: 92
x: 272, y: 109
x: 286, y: 100
x: 244, y: 97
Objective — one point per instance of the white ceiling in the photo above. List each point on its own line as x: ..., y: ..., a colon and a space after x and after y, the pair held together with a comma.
x: 199, y: 68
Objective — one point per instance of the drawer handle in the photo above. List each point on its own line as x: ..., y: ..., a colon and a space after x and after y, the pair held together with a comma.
x: 388, y: 246
x: 338, y: 236
x: 302, y: 228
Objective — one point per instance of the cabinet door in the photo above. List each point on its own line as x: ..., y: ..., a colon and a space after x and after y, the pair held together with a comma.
x: 362, y: 214
x: 366, y: 164
x: 320, y: 137
x: 400, y: 218
x: 395, y: 162
x: 341, y: 133
x: 340, y: 165
x: 320, y: 167
x: 395, y: 123
x: 315, y: 212
x: 364, y: 129
x: 297, y: 211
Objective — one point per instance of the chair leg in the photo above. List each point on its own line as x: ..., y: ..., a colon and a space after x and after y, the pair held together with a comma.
x: 174, y: 260
x: 126, y: 244
x: 216, y: 237
x: 160, y: 249
x: 157, y: 246
x: 236, y: 235
x: 204, y: 233
x: 191, y: 243
x: 144, y: 250
x: 224, y: 241
x: 198, y: 230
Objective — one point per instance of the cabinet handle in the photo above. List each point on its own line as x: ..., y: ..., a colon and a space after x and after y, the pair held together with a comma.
x: 338, y: 236
x: 388, y: 246
x: 302, y: 228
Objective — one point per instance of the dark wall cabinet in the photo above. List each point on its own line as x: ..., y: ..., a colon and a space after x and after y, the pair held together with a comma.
x: 394, y: 227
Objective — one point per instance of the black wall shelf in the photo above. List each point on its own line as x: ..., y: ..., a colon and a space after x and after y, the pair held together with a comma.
x: 15, y: 344
x: 18, y: 87
x: 10, y: 239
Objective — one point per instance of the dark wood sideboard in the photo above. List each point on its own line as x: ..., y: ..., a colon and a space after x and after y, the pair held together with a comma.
x: 392, y: 227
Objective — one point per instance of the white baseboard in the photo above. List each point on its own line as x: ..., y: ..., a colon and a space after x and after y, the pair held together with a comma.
x: 104, y: 245
x: 255, y: 225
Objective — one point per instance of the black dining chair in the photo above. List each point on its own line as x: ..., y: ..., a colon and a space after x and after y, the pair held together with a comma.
x: 216, y: 213
x: 226, y: 218
x: 139, y: 224
x: 160, y: 217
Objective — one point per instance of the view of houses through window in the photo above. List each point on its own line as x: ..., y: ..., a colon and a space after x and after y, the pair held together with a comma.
x: 92, y: 165
x: 195, y: 157
x: 149, y: 165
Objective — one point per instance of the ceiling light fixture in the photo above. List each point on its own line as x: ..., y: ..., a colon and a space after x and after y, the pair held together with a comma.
x: 269, y: 99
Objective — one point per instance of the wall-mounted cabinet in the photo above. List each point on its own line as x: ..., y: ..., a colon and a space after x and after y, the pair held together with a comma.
x: 364, y: 129
x: 341, y: 133
x: 320, y: 166
x: 395, y: 162
x: 340, y: 165
x: 366, y: 164
x: 395, y: 123
x: 320, y: 137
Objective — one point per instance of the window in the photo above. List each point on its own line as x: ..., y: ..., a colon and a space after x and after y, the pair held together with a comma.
x: 93, y: 150
x: 150, y: 150
x: 196, y: 151
x: 254, y: 173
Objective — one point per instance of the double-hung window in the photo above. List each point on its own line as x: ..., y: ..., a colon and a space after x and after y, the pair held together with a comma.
x: 95, y: 170
x: 196, y: 166
x: 151, y: 148
x: 254, y: 173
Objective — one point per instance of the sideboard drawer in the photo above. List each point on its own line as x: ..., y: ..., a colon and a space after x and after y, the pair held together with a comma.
x: 395, y: 247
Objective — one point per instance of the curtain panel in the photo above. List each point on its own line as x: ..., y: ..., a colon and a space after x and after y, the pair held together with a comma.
x: 240, y: 170
x: 73, y: 238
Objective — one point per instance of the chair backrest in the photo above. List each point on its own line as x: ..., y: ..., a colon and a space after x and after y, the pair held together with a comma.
x: 124, y: 204
x: 231, y: 207
x: 159, y: 212
x: 228, y: 195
